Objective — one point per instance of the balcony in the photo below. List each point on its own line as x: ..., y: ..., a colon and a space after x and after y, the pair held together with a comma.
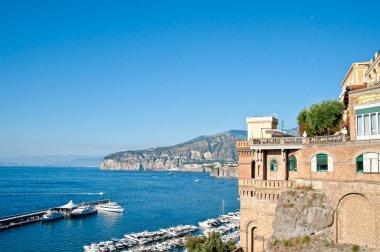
x: 265, y: 183
x: 288, y: 142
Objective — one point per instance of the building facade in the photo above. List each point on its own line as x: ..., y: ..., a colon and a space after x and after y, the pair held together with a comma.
x: 345, y: 166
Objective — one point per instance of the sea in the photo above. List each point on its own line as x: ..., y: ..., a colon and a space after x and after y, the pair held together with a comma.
x: 152, y: 200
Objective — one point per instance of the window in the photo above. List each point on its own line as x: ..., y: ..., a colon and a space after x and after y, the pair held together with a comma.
x: 366, y: 125
x: 368, y: 163
x: 273, y: 165
x: 359, y: 164
x: 322, y: 163
x: 373, y: 124
x: 292, y: 163
x: 367, y: 121
x: 359, y: 125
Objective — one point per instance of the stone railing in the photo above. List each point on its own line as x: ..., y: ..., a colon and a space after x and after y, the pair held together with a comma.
x: 374, y: 84
x: 291, y: 141
x: 266, y: 183
x: 327, y: 139
x: 242, y: 144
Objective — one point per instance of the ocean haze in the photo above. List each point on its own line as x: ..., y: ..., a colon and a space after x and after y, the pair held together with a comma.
x: 53, y: 160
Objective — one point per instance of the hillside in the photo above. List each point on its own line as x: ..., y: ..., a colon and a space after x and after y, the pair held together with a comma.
x: 187, y: 155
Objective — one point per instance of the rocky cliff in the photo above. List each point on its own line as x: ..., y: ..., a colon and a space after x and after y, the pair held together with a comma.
x: 194, y: 155
x: 302, y: 213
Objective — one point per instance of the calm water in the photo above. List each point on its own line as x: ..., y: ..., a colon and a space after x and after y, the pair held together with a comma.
x: 152, y: 200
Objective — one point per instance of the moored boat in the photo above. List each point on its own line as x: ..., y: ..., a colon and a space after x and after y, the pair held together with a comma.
x: 83, y: 211
x: 51, y: 215
x: 110, y: 207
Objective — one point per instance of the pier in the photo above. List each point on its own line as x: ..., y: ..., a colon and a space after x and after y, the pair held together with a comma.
x: 18, y: 220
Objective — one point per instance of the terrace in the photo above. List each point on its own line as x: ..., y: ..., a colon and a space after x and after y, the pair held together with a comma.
x: 289, y: 142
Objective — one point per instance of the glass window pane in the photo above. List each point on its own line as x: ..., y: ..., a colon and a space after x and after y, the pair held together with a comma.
x: 373, y: 124
x: 366, y: 125
x: 359, y: 125
x: 322, y: 162
x: 273, y: 165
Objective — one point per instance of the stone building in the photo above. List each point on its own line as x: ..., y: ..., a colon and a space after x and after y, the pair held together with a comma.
x: 344, y: 166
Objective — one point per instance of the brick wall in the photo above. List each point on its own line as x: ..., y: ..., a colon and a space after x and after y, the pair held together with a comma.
x: 344, y: 157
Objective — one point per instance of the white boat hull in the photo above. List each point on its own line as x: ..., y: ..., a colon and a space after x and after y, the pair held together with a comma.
x: 110, y: 209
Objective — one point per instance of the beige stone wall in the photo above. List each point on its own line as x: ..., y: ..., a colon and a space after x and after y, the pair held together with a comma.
x: 357, y: 216
x: 360, y: 97
x: 257, y: 207
x: 245, y: 161
x: 256, y: 126
x: 280, y: 174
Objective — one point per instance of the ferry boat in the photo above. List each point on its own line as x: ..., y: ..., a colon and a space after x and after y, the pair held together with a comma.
x: 110, y: 207
x: 83, y: 211
x: 51, y: 215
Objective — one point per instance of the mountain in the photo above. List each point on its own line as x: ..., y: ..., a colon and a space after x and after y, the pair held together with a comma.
x: 189, y: 155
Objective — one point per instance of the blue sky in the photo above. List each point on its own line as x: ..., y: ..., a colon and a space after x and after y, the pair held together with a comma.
x: 94, y: 77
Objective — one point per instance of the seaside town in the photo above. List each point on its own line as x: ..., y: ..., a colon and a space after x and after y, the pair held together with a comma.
x: 189, y: 126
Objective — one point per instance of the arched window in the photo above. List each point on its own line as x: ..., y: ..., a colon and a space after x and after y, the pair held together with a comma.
x: 292, y: 163
x: 273, y: 165
x: 368, y: 162
x: 322, y: 163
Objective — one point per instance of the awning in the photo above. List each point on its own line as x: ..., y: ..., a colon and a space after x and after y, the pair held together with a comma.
x: 69, y: 205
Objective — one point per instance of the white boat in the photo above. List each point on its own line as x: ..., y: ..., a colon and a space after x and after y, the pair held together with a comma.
x: 83, y: 211
x: 110, y: 207
x: 209, y: 223
x: 196, y: 180
x: 51, y: 215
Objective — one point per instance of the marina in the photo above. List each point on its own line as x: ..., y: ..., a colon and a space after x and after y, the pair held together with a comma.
x: 37, y: 216
x: 169, y: 239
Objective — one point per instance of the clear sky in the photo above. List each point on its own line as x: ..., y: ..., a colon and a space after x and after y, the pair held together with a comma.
x: 94, y: 77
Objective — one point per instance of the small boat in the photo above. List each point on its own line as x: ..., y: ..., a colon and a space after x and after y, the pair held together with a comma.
x: 170, y: 173
x: 83, y: 211
x: 110, y: 207
x: 196, y: 180
x: 51, y: 215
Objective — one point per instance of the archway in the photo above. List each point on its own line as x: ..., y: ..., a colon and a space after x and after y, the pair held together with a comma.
x: 355, y: 221
x: 251, y: 239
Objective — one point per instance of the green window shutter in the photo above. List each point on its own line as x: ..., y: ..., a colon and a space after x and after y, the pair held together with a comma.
x: 359, y: 164
x: 367, y: 110
x: 322, y: 163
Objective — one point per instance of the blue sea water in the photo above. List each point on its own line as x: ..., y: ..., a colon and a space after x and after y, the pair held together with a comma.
x: 152, y: 200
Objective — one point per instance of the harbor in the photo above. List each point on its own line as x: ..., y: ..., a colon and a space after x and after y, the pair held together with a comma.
x: 189, y: 203
x: 173, y: 238
x: 19, y: 220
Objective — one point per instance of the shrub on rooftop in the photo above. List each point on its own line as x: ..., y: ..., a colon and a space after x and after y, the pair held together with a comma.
x: 324, y: 118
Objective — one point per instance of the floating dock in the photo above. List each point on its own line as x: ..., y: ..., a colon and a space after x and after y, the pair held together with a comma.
x: 18, y: 220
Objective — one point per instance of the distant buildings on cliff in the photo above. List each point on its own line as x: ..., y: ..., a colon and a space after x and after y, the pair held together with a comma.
x: 345, y: 166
